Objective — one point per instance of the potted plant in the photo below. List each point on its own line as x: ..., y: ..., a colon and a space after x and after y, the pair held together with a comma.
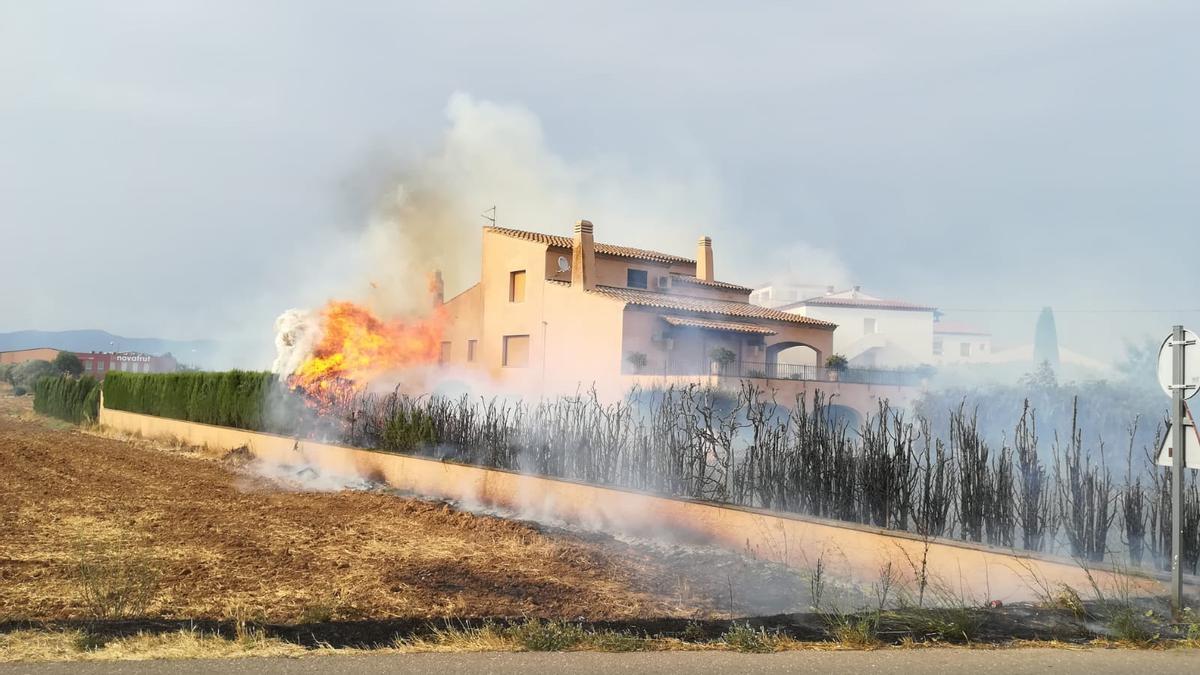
x: 721, y: 358
x: 836, y: 364
x: 637, y: 360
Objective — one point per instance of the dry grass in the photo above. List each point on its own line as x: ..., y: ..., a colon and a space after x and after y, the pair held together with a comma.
x: 36, y: 645
x: 188, y: 537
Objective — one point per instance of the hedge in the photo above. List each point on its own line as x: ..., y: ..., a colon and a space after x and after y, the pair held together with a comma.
x: 232, y: 399
x: 67, y: 398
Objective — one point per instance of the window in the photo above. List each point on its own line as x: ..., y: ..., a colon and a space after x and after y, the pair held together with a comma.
x: 964, y: 349
x: 983, y: 346
x: 516, y: 286
x: 444, y: 353
x: 516, y: 351
x: 100, y: 365
x: 636, y: 279
x: 937, y: 346
x: 471, y: 349
x: 868, y: 326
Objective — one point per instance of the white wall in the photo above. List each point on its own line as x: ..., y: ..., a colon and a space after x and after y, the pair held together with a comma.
x: 901, y: 338
x: 980, y: 347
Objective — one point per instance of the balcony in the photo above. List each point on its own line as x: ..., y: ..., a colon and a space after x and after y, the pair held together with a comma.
x: 786, y: 371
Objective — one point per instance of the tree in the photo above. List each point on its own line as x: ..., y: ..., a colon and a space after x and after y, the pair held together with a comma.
x: 837, y: 363
x: 68, y: 363
x: 27, y: 374
x: 1043, y: 378
x: 1045, y: 339
x: 722, y: 357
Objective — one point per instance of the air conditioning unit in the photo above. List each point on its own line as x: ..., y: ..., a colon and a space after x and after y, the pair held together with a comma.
x: 664, y: 282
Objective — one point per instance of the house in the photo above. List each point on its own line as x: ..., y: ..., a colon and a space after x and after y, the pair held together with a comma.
x: 555, y: 314
x: 777, y: 295
x: 959, y: 343
x: 873, y: 332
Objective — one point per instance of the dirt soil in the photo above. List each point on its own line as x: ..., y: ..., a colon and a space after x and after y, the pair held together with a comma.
x: 212, y: 540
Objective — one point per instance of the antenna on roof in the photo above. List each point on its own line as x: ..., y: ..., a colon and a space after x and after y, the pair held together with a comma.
x: 490, y: 218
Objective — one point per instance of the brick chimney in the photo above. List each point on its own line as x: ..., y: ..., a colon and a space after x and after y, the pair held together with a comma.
x: 583, y: 257
x: 704, y: 261
x: 437, y: 289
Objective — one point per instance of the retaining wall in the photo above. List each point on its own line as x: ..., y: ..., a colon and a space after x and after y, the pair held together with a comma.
x: 850, y: 552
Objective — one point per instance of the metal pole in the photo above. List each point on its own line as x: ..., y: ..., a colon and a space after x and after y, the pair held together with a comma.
x: 1178, y: 444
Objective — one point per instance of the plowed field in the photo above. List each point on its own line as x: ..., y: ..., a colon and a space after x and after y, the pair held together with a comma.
x: 205, y: 538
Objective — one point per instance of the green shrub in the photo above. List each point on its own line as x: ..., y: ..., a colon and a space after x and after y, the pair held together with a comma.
x: 67, y: 398
x: 27, y: 373
x: 549, y: 636
x: 233, y: 399
x: 1131, y: 627
x: 406, y: 432
x: 743, y: 638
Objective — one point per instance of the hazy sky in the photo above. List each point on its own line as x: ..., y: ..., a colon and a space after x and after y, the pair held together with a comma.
x: 181, y: 169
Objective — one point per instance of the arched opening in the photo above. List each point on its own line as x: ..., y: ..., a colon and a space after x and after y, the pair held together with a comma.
x: 793, y: 361
x: 840, y: 416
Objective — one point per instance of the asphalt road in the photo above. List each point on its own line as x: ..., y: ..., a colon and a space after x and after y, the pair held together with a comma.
x: 923, y: 661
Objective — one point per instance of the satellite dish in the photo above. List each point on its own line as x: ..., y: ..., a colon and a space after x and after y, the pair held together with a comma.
x: 564, y: 265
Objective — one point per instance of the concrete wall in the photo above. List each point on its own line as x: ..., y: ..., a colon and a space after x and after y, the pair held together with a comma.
x: 850, y: 552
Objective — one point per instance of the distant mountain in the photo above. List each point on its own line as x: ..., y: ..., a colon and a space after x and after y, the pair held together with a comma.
x: 186, y: 351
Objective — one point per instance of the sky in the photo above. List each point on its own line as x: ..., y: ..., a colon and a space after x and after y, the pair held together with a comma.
x: 192, y: 169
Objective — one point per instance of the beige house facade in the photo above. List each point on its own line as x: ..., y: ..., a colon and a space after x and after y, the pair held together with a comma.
x: 555, y: 314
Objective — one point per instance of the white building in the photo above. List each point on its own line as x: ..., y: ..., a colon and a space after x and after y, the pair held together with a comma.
x: 961, y: 343
x: 872, y: 332
x: 777, y: 295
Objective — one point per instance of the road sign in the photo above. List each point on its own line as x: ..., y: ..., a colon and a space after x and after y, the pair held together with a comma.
x: 1191, y: 453
x: 1191, y: 365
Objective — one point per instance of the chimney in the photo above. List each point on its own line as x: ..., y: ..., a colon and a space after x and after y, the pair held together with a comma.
x: 583, y: 257
x: 437, y: 289
x: 704, y: 261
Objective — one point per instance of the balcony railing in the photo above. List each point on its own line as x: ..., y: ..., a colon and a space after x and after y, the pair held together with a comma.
x: 787, y: 371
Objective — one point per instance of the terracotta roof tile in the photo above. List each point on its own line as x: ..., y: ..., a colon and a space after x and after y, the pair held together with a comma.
x: 731, y: 326
x: 714, y: 284
x: 706, y: 306
x: 606, y: 249
x: 867, y: 303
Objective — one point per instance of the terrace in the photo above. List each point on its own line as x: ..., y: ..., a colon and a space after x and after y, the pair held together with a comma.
x: 767, y: 370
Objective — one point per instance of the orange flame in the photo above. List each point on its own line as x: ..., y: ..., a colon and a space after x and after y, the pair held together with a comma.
x: 357, y: 346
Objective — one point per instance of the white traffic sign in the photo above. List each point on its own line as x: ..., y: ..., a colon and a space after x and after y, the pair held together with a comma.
x: 1191, y: 443
x: 1191, y: 454
x: 1191, y: 365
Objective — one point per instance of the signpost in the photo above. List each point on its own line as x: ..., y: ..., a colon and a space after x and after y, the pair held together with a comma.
x: 1181, y: 382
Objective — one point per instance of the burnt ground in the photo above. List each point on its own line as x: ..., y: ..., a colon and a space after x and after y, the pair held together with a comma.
x: 216, y: 540
x: 210, y: 543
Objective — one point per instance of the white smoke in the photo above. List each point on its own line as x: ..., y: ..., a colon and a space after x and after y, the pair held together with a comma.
x: 296, y: 334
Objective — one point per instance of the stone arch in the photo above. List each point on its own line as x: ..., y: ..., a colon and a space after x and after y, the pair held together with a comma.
x: 793, y: 360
